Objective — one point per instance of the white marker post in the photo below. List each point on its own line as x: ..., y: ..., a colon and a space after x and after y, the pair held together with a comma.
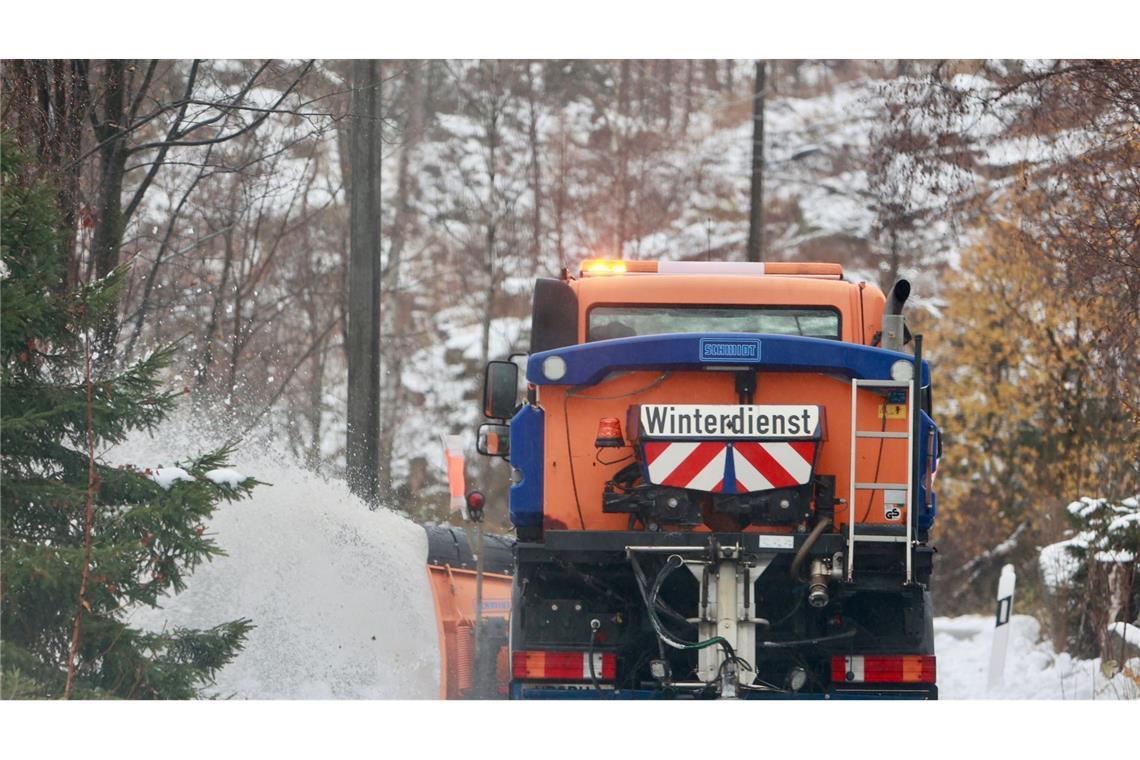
x: 1006, y: 585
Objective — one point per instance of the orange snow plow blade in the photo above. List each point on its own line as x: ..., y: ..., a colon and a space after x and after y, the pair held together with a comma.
x: 466, y: 673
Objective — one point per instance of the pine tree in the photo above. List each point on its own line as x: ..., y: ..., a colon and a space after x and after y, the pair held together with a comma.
x: 83, y: 543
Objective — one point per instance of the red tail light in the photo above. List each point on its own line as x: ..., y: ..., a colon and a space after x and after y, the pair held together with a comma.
x: 884, y: 669
x: 563, y: 666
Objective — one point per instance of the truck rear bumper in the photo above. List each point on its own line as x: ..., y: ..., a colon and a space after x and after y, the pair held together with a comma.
x: 542, y: 691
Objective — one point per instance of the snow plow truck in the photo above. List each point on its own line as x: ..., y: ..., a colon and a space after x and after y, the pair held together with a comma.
x: 722, y: 487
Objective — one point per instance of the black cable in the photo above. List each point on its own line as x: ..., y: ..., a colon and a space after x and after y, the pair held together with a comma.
x: 650, y: 599
x: 661, y: 603
x: 807, y: 642
x: 678, y: 643
x: 795, y: 608
x: 570, y: 457
x: 570, y: 447
x: 599, y: 460
x: 639, y: 578
x: 592, y: 583
x: 650, y: 607
x: 878, y: 462
x: 660, y: 379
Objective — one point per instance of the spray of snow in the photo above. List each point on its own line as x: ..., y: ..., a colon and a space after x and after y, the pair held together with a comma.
x: 338, y: 593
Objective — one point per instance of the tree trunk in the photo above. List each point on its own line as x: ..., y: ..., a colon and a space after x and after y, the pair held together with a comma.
x: 492, y: 231
x: 560, y: 195
x: 621, y: 136
x: 210, y: 337
x: 46, y: 108
x: 535, y: 165
x: 395, y: 325
x: 364, y: 275
x: 1059, y: 630
x: 688, y: 98
x: 894, y: 260
x: 711, y: 80
x: 108, y: 236
x: 756, y: 206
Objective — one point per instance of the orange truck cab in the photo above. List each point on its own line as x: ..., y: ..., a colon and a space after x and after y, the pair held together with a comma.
x: 722, y: 485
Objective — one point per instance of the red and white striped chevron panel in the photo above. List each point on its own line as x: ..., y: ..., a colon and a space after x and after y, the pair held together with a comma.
x: 724, y: 467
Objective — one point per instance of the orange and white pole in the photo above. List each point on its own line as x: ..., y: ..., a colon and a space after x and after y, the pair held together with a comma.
x: 453, y: 454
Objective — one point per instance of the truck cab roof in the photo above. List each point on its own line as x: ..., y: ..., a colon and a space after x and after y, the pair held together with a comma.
x: 859, y: 305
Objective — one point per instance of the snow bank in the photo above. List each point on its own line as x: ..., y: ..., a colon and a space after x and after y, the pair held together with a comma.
x: 1032, y: 669
x: 1059, y: 565
x: 339, y: 594
x: 1126, y: 631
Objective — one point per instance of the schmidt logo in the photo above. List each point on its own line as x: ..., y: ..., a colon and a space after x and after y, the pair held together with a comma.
x: 733, y: 350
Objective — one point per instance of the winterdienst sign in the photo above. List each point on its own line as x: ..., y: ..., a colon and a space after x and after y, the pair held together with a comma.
x: 730, y: 421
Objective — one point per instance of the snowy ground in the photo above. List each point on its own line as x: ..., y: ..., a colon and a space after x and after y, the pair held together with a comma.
x: 1032, y: 669
x: 340, y: 598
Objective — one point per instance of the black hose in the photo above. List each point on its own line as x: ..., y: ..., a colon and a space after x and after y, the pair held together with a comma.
x: 650, y: 598
x: 807, y: 642
x: 660, y: 604
x: 801, y: 555
x: 651, y: 602
x: 795, y: 608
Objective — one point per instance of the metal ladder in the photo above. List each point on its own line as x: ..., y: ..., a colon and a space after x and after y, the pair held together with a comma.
x: 852, y: 535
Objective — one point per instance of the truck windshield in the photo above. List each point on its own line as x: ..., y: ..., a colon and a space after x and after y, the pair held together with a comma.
x: 627, y: 321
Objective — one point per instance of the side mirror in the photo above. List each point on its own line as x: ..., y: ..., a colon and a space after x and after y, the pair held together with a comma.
x: 500, y: 390
x: 493, y: 440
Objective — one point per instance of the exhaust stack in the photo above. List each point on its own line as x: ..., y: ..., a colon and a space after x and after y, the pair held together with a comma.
x: 894, y: 327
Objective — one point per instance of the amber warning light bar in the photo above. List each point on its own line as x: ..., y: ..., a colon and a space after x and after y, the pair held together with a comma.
x: 604, y: 267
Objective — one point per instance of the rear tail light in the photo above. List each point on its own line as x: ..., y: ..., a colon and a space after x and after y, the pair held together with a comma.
x: 563, y: 666
x: 883, y: 669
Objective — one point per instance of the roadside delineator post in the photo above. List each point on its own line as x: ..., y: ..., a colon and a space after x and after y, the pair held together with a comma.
x: 1006, y: 585
x: 453, y: 454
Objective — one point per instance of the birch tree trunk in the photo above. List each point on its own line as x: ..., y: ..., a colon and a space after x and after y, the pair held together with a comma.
x: 397, y: 323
